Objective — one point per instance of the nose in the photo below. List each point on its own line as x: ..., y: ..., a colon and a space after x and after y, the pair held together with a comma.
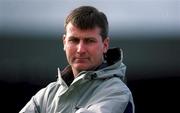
x: 81, y: 47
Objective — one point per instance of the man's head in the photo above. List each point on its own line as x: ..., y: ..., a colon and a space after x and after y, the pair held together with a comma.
x: 85, y: 41
x: 88, y: 17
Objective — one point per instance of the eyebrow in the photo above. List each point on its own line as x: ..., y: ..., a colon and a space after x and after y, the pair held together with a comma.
x: 83, y: 38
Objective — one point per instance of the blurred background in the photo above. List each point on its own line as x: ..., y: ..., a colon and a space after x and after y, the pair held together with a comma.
x: 148, y: 31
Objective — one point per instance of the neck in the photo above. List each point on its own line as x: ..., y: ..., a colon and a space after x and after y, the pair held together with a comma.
x: 76, y: 72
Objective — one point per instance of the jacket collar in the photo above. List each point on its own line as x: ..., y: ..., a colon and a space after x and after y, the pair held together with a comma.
x: 112, y: 67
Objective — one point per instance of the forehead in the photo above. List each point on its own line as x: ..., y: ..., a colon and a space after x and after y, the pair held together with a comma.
x: 75, y: 31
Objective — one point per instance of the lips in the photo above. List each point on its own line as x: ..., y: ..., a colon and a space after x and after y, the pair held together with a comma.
x: 80, y: 59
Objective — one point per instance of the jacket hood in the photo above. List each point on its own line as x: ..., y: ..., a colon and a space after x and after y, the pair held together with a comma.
x: 115, y: 66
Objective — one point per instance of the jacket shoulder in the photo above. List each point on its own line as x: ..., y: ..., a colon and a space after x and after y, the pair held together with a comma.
x: 39, y: 100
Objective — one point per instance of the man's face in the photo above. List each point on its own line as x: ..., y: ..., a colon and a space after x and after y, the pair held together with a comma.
x: 84, y: 48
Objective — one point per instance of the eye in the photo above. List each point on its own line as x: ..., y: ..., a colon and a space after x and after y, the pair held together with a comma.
x: 73, y: 40
x: 90, y: 40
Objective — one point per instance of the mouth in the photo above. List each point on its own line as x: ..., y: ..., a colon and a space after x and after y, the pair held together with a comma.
x: 80, y: 59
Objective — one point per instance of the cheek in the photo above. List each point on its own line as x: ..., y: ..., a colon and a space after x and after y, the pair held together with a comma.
x: 68, y: 54
x: 97, y: 51
x: 69, y: 51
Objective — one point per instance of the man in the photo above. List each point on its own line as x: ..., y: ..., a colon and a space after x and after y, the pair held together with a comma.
x: 93, y: 81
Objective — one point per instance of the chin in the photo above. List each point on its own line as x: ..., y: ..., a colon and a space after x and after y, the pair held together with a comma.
x: 82, y: 67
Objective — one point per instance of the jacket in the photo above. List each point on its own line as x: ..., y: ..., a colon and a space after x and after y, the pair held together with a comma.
x: 99, y: 91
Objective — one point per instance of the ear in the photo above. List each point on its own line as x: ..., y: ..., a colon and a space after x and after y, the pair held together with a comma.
x: 64, y: 42
x: 106, y: 44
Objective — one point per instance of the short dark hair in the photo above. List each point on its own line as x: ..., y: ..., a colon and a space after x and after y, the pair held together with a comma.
x: 88, y: 17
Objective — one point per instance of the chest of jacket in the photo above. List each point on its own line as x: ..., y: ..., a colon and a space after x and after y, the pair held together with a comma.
x: 69, y: 99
